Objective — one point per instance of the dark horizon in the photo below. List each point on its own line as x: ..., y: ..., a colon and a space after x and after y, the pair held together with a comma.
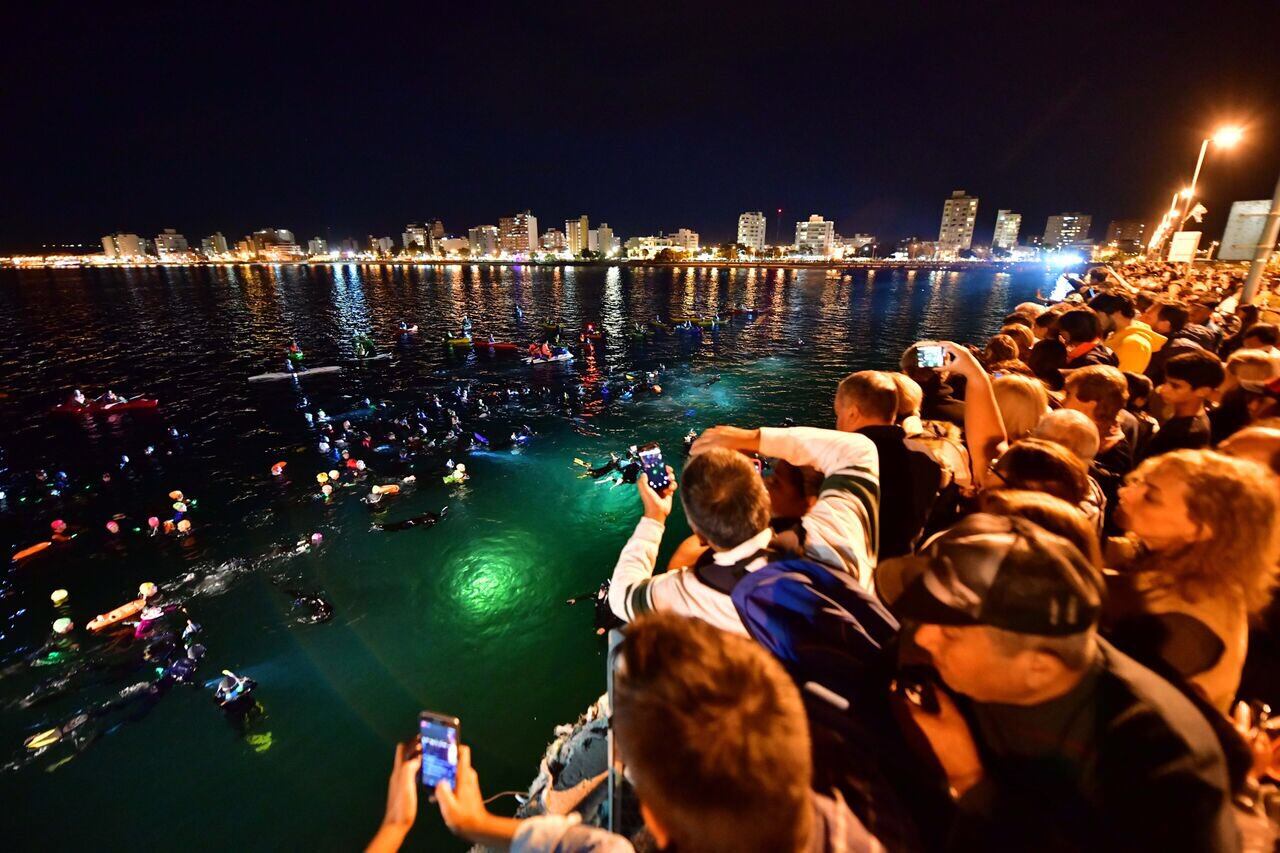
x: 333, y: 124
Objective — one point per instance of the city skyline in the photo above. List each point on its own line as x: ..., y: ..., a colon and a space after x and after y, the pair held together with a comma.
x: 242, y: 128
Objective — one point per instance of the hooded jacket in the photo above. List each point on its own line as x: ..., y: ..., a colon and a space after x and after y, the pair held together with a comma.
x: 1134, y: 346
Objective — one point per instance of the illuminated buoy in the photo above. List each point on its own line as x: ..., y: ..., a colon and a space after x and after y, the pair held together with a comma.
x: 113, y: 527
x: 153, y: 522
x: 62, y: 626
x: 278, y: 469
x: 184, y: 526
x: 175, y: 495
x: 322, y: 477
x: 146, y: 589
x: 58, y: 525
x: 59, y: 596
x: 317, y: 538
x: 326, y: 490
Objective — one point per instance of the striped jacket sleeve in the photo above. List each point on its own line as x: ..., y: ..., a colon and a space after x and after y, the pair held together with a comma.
x: 842, y: 529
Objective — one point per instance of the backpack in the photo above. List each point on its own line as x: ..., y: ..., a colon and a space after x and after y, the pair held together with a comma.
x: 839, y: 644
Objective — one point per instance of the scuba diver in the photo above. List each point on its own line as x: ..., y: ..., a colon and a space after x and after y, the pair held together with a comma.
x: 320, y: 609
x: 233, y: 690
x: 599, y: 471
x: 429, y: 519
x: 689, y: 438
x: 629, y: 470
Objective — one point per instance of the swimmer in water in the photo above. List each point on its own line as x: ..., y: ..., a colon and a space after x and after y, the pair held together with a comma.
x: 429, y: 519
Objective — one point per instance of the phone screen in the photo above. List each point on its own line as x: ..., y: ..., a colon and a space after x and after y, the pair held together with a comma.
x: 654, y: 468
x: 929, y: 355
x: 439, y: 736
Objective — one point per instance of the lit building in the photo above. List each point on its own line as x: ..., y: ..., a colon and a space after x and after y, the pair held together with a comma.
x: 1067, y: 229
x: 1127, y: 235
x: 816, y: 236
x: 484, y: 241
x: 751, y: 230
x: 416, y: 236
x: 685, y: 240
x: 171, y: 244
x: 553, y: 240
x: 608, y: 244
x: 1008, y: 224
x: 317, y: 246
x: 959, y: 213
x: 452, y: 245
x: 437, y: 229
x: 575, y: 231
x: 124, y: 246
x: 275, y: 244
x: 856, y: 243
x: 381, y: 245
x: 518, y: 235
x: 214, y: 244
x: 593, y: 240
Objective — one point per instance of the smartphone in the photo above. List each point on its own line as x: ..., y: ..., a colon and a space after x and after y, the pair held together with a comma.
x: 439, y: 736
x: 929, y: 355
x: 654, y: 468
x: 915, y: 685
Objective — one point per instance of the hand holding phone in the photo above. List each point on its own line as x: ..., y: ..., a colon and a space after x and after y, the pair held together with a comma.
x: 930, y: 355
x: 439, y: 736
x: 655, y: 469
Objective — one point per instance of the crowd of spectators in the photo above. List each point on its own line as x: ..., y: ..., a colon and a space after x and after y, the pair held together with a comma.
x: 1019, y: 602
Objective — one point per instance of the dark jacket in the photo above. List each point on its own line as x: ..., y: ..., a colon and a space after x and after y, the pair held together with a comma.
x: 1138, y: 768
x: 908, y: 494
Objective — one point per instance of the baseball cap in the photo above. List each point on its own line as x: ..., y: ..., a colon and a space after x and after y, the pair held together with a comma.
x: 994, y: 570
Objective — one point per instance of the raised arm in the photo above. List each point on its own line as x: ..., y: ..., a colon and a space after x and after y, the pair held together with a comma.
x: 983, y: 426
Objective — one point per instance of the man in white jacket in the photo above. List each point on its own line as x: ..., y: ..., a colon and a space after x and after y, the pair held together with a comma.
x: 727, y: 507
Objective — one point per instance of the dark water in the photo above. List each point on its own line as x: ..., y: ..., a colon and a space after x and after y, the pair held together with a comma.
x: 468, y: 617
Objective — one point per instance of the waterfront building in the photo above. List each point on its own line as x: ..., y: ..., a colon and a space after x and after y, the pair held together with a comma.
x: 214, y: 244
x: 593, y: 240
x: 171, y: 245
x: 484, y: 241
x: 959, y: 213
x: 452, y: 245
x: 124, y: 246
x: 244, y: 248
x: 317, y: 246
x: 274, y: 244
x: 607, y: 242
x: 751, y: 230
x: 1008, y: 224
x: 518, y: 235
x: 815, y: 236
x: 575, y: 232
x: 553, y: 240
x: 856, y: 243
x: 1127, y: 235
x: 685, y: 240
x: 416, y: 236
x: 1067, y: 229
x: 437, y: 229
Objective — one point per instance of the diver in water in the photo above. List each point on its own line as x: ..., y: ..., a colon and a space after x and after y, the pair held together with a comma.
x: 319, y: 608
x: 689, y: 438
x: 429, y: 519
x: 598, y: 471
x: 233, y: 689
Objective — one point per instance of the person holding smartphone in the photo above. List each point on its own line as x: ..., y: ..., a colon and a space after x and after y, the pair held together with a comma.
x: 685, y: 696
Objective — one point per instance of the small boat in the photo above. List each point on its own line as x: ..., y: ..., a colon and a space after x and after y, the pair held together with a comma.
x: 111, y: 617
x: 563, y: 356
x: 660, y: 327
x: 458, y: 342
x: 495, y: 346
x: 99, y: 406
x: 294, y: 374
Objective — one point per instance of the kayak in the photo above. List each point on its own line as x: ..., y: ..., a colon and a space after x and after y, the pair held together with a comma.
x: 458, y: 342
x: 748, y: 312
x: 27, y: 553
x: 381, y: 357
x: 111, y: 617
x: 661, y: 327
x: 296, y: 374
x: 496, y: 346
x: 94, y: 407
x: 564, y: 356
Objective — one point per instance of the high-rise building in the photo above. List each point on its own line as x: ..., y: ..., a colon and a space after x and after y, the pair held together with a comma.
x: 608, y: 244
x: 124, y: 246
x: 593, y: 240
x: 171, y: 244
x: 317, y: 246
x: 214, y: 244
x: 1008, y: 224
x: 959, y: 213
x: 685, y: 240
x: 416, y: 237
x: 816, y: 236
x: 484, y: 241
x: 553, y: 240
x: 1066, y: 229
x: 751, y: 226
x: 437, y: 229
x: 519, y: 234
x: 575, y: 232
x: 1127, y: 235
x: 275, y: 244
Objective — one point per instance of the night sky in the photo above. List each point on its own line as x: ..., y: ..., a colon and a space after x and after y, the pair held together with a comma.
x: 356, y: 119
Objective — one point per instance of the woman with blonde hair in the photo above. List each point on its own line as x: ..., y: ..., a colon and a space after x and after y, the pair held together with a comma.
x: 1200, y: 556
x: 1023, y: 400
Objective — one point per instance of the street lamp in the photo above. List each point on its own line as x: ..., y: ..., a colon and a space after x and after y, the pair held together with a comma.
x: 1223, y: 137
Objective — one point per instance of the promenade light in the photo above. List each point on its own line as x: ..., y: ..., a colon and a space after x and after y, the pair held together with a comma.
x: 1226, y: 137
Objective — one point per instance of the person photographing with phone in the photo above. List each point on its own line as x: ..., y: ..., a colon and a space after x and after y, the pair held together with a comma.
x: 728, y: 508
x: 716, y: 744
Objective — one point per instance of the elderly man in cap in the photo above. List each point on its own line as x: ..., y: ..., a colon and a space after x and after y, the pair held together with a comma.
x: 1049, y: 737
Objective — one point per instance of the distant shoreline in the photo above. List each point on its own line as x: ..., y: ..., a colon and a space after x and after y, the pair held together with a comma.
x: 620, y: 262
